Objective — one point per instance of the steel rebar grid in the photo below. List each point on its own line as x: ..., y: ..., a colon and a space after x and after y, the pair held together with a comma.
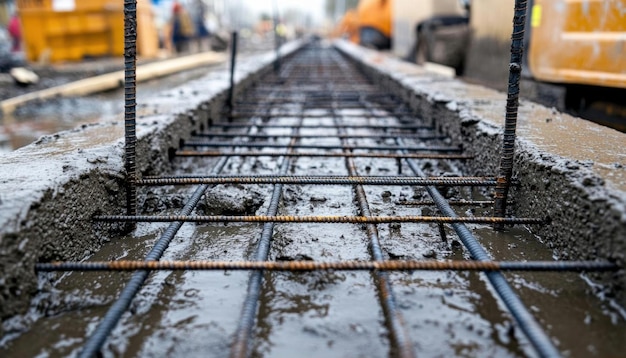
x: 535, y: 334
x: 512, y: 104
x: 304, y: 266
x: 241, y: 344
x: 307, y: 266
x: 399, y: 336
x: 130, y: 103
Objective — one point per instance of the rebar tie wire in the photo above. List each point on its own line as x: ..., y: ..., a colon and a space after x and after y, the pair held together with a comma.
x: 307, y: 266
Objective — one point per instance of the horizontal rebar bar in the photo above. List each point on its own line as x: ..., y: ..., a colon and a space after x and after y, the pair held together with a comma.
x: 439, y: 181
x: 321, y: 126
x: 343, y: 266
x: 319, y: 219
x: 194, y: 153
x: 452, y: 203
x: 247, y: 115
x: 340, y: 136
x: 318, y: 146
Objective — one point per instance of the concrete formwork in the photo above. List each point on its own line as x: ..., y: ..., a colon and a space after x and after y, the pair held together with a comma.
x: 50, y: 190
x: 570, y: 171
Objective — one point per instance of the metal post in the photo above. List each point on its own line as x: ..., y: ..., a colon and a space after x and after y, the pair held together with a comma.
x: 512, y: 104
x: 130, y: 102
x: 233, y: 59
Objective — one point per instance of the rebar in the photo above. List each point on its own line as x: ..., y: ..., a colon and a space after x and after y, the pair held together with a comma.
x: 241, y: 344
x: 340, y: 180
x: 319, y: 146
x: 340, y: 136
x: 512, y: 103
x: 233, y: 62
x: 318, y: 219
x: 306, y: 266
x: 193, y: 153
x: 535, y: 334
x: 130, y: 103
x: 322, y: 126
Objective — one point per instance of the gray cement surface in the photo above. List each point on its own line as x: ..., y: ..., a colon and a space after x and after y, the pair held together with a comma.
x: 571, y: 172
x: 50, y: 190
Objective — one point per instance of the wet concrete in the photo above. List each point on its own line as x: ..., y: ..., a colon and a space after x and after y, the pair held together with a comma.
x: 571, y: 171
x: 333, y: 314
x: 51, y: 188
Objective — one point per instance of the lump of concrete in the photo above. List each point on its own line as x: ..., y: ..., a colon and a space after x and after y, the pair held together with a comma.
x: 24, y: 76
x: 232, y: 201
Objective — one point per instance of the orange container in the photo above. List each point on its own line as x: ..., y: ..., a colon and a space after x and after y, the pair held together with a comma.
x: 71, y: 30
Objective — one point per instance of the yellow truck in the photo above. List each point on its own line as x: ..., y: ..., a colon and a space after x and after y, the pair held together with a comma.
x: 577, y: 47
x: 71, y: 30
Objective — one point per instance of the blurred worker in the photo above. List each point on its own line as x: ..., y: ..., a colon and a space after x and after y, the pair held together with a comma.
x: 182, y: 28
x: 198, y: 13
x: 374, y: 18
x: 15, y: 32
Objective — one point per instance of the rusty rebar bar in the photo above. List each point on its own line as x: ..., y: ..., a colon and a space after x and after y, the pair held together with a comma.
x: 320, y: 180
x: 318, y: 219
x: 194, y: 153
x: 307, y: 136
x: 319, y: 146
x: 248, y: 115
x: 306, y: 266
x: 512, y: 104
x: 322, y: 126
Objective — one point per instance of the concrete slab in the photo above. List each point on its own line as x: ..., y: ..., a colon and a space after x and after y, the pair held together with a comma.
x: 571, y: 171
x: 50, y: 190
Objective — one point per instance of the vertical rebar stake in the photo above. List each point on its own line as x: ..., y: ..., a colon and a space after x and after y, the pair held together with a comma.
x: 233, y: 60
x: 130, y: 101
x: 512, y: 104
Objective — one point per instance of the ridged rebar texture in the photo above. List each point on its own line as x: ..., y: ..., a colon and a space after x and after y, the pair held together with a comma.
x: 130, y: 102
x: 340, y: 180
x: 189, y: 153
x: 575, y: 266
x: 512, y: 104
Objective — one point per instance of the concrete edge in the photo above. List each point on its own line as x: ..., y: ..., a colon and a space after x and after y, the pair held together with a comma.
x: 51, y: 188
x: 114, y: 80
x: 584, y: 198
